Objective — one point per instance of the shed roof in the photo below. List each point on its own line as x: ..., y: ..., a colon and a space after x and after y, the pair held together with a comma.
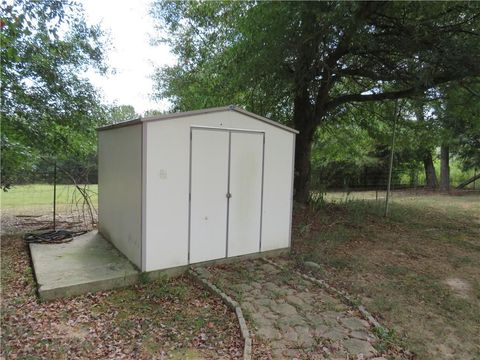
x: 197, y: 112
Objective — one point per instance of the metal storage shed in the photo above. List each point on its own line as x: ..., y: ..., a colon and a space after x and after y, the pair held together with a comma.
x: 190, y: 187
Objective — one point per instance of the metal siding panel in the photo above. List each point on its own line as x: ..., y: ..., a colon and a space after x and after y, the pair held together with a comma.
x: 120, y: 190
x: 144, y: 196
x: 246, y: 167
x: 277, y: 188
x: 291, y: 192
x: 167, y: 189
x: 208, y: 206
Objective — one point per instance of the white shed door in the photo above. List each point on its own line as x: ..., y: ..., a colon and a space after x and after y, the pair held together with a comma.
x: 226, y: 193
x: 209, y: 186
x: 244, y: 219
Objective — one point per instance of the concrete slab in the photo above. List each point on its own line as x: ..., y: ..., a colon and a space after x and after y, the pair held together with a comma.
x: 88, y: 263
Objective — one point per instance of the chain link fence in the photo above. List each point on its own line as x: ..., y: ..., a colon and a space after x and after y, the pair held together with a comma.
x: 373, y: 186
x: 49, y: 200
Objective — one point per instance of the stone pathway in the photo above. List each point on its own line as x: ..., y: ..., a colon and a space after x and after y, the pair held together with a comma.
x: 297, y: 318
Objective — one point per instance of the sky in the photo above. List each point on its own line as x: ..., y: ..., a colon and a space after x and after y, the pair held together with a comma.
x: 131, y: 56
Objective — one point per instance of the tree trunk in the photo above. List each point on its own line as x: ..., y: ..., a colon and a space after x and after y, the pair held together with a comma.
x: 430, y: 175
x: 303, y: 147
x: 444, y: 168
x: 303, y: 151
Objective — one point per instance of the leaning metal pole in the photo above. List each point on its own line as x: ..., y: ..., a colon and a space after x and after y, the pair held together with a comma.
x: 387, y: 197
x: 54, y: 194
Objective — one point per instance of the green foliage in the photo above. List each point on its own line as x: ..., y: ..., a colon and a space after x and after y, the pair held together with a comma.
x: 354, y: 150
x: 459, y: 114
x: 214, y: 69
x: 305, y: 63
x: 48, y: 108
x: 153, y: 112
x: 252, y: 52
x: 118, y: 113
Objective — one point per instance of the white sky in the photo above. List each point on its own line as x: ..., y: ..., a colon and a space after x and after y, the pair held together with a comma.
x: 130, y: 28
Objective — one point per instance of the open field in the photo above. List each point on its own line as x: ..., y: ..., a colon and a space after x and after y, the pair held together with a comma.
x: 418, y: 271
x: 30, y: 207
x: 41, y: 195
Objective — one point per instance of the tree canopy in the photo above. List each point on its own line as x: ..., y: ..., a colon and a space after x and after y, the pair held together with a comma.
x: 118, y: 113
x: 303, y: 63
x: 48, y: 108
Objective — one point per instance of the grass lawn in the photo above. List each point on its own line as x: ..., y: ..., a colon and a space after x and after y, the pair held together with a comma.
x: 42, y: 195
x: 418, y: 271
x: 26, y: 207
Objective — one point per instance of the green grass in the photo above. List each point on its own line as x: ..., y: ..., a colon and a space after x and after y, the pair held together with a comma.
x: 42, y: 195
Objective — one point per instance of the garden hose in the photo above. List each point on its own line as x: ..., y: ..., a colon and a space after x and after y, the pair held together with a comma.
x: 52, y: 237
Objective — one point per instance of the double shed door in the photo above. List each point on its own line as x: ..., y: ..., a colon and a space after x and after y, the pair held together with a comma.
x: 226, y: 185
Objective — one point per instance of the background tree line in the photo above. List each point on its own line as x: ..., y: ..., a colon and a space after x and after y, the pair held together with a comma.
x: 49, y: 109
x: 332, y: 70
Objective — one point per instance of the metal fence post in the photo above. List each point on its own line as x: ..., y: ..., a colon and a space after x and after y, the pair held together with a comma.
x: 54, y: 194
x: 396, y: 115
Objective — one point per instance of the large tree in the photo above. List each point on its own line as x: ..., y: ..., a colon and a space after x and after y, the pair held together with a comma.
x: 304, y: 61
x: 48, y: 108
x: 458, y: 115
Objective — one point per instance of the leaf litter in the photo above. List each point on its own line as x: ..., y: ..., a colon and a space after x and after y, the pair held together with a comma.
x: 163, y: 319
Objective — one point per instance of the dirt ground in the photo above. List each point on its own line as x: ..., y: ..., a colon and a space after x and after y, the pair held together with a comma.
x: 418, y: 270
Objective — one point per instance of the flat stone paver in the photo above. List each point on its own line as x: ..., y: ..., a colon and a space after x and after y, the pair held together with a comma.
x: 299, y: 319
x: 87, y: 263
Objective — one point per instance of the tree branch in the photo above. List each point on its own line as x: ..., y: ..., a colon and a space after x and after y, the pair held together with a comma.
x: 344, y: 47
x: 390, y: 95
x: 470, y: 90
x: 369, y: 74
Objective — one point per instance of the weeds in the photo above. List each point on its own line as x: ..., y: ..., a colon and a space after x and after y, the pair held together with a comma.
x: 316, y: 200
x: 304, y: 229
x: 285, y: 276
x: 163, y: 289
x: 387, y: 339
x: 144, y: 278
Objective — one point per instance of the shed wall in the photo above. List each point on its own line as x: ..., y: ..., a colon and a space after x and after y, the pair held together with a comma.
x: 120, y: 189
x: 167, y: 185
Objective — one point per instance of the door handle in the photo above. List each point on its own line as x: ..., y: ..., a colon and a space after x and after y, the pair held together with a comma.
x: 229, y: 195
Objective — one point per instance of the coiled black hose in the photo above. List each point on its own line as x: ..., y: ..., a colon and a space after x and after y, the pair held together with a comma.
x: 52, y: 237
